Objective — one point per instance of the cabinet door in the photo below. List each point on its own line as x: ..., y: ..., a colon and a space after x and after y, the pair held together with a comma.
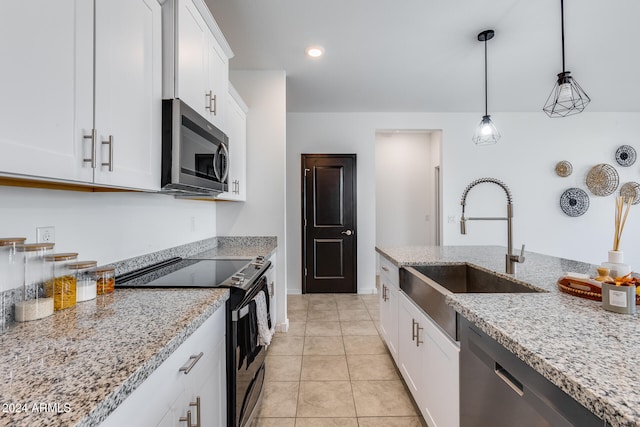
x: 218, y: 83
x: 128, y: 93
x: 411, y: 344
x: 193, y: 58
x: 47, y: 95
x: 441, y: 378
x: 237, y: 133
x: 389, y: 317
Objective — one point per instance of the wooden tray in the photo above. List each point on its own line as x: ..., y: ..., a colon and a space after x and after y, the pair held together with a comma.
x: 570, y: 286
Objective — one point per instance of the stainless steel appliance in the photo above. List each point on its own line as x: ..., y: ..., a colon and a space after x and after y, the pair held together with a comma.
x: 497, y: 389
x: 245, y: 358
x: 195, y: 155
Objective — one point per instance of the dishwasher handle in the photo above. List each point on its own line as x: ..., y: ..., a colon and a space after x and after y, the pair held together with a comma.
x: 509, y: 379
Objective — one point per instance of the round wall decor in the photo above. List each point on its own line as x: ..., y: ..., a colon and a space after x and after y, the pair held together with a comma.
x: 632, y: 190
x: 574, y: 202
x: 625, y: 155
x: 602, y: 179
x: 564, y: 168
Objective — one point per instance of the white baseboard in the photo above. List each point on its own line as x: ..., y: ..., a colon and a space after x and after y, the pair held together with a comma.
x: 294, y: 291
x: 283, y: 326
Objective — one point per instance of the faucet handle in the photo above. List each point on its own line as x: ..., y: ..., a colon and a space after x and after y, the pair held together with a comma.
x: 521, y: 256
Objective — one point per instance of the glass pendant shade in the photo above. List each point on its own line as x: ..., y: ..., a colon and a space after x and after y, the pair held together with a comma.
x: 566, y: 98
x: 486, y: 133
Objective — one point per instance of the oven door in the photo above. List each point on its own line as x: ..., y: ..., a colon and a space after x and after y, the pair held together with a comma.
x: 246, y: 363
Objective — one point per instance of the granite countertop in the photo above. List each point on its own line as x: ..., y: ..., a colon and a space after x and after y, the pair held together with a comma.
x: 240, y: 247
x: 590, y: 353
x: 82, y: 362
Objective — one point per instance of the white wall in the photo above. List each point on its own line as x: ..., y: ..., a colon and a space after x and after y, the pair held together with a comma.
x: 524, y: 158
x: 263, y: 213
x: 105, y: 227
x: 404, y: 189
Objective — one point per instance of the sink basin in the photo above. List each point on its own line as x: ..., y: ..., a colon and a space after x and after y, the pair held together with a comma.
x: 466, y: 279
x: 429, y: 285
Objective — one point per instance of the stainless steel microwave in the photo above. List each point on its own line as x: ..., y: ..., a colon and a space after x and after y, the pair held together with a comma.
x: 195, y: 155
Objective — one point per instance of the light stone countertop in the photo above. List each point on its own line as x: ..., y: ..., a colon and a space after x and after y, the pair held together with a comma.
x: 240, y: 247
x: 590, y: 353
x: 85, y: 360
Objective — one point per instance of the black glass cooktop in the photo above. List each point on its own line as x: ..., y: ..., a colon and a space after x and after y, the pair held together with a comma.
x: 191, y: 273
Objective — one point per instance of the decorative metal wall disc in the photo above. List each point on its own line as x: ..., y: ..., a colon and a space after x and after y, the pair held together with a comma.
x: 626, y: 155
x: 574, y: 202
x: 632, y: 190
x: 564, y: 168
x: 602, y: 180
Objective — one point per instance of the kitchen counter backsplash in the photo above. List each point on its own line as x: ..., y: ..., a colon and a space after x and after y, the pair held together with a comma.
x: 214, y: 247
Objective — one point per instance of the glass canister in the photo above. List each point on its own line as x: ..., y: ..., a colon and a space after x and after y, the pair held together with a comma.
x: 11, y: 267
x: 33, y: 304
x: 85, y: 279
x: 106, y: 279
x: 61, y: 285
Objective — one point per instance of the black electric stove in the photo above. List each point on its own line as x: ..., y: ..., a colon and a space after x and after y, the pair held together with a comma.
x: 245, y: 279
x: 195, y: 273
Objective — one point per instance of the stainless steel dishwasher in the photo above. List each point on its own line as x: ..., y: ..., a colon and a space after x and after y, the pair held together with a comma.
x: 499, y: 390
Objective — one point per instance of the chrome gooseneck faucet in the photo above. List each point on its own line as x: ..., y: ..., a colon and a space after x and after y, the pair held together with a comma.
x: 511, y: 259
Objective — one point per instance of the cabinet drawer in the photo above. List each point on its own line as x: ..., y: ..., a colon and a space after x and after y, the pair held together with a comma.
x: 389, y: 273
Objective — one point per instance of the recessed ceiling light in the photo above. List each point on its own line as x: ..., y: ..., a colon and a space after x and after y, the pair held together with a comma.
x: 314, y: 51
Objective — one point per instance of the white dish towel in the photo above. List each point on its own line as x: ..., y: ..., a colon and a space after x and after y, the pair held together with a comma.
x: 264, y: 333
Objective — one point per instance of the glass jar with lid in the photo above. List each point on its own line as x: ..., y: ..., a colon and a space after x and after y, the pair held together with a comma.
x: 62, y: 283
x: 32, y: 303
x: 85, y: 279
x: 105, y: 278
x: 11, y: 267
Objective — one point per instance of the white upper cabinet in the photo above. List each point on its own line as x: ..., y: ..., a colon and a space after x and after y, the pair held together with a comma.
x: 49, y: 113
x: 47, y: 95
x: 237, y: 133
x: 128, y: 104
x: 196, y: 59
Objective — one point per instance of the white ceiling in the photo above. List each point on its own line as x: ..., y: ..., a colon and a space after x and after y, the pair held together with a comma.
x: 423, y: 55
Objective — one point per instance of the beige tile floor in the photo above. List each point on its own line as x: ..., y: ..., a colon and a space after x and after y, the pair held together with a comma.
x: 332, y: 368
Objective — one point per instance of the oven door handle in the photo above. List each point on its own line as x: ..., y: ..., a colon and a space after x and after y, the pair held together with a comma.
x: 240, y: 313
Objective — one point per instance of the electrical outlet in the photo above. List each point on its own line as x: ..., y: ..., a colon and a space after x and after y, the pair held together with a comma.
x: 451, y: 219
x: 192, y: 223
x: 46, y: 234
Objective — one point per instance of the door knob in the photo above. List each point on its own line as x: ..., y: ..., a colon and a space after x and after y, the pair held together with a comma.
x: 347, y: 232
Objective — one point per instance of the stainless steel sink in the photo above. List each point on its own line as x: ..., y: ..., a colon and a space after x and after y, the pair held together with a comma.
x: 428, y: 286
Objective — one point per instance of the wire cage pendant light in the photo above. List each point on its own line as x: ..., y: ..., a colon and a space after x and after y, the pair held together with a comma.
x: 486, y: 132
x: 567, y: 97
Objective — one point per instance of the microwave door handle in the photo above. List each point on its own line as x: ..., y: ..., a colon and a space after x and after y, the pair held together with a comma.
x: 222, y: 175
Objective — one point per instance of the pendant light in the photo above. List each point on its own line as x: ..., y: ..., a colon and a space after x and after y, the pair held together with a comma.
x: 567, y: 97
x: 486, y: 132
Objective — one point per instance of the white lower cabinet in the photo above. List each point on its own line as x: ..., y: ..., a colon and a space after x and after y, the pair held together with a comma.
x: 429, y: 363
x: 389, y: 288
x: 192, y: 379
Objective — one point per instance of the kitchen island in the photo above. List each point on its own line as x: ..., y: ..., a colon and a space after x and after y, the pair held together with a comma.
x: 589, y: 353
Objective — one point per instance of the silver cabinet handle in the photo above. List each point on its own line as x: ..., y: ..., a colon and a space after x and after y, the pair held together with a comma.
x: 187, y: 419
x: 109, y: 142
x: 347, y: 232
x: 385, y: 268
x: 215, y: 105
x: 415, y: 332
x: 197, y: 406
x: 210, y: 96
x: 92, y: 137
x: 193, y: 359
x: 384, y: 293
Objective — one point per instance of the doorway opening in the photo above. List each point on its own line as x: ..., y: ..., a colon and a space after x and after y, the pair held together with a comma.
x: 408, y: 188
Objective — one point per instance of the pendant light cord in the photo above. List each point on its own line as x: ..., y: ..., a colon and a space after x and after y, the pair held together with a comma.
x: 486, y: 92
x: 562, y: 29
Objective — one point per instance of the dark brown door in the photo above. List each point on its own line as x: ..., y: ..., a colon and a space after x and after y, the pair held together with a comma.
x: 329, y: 223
